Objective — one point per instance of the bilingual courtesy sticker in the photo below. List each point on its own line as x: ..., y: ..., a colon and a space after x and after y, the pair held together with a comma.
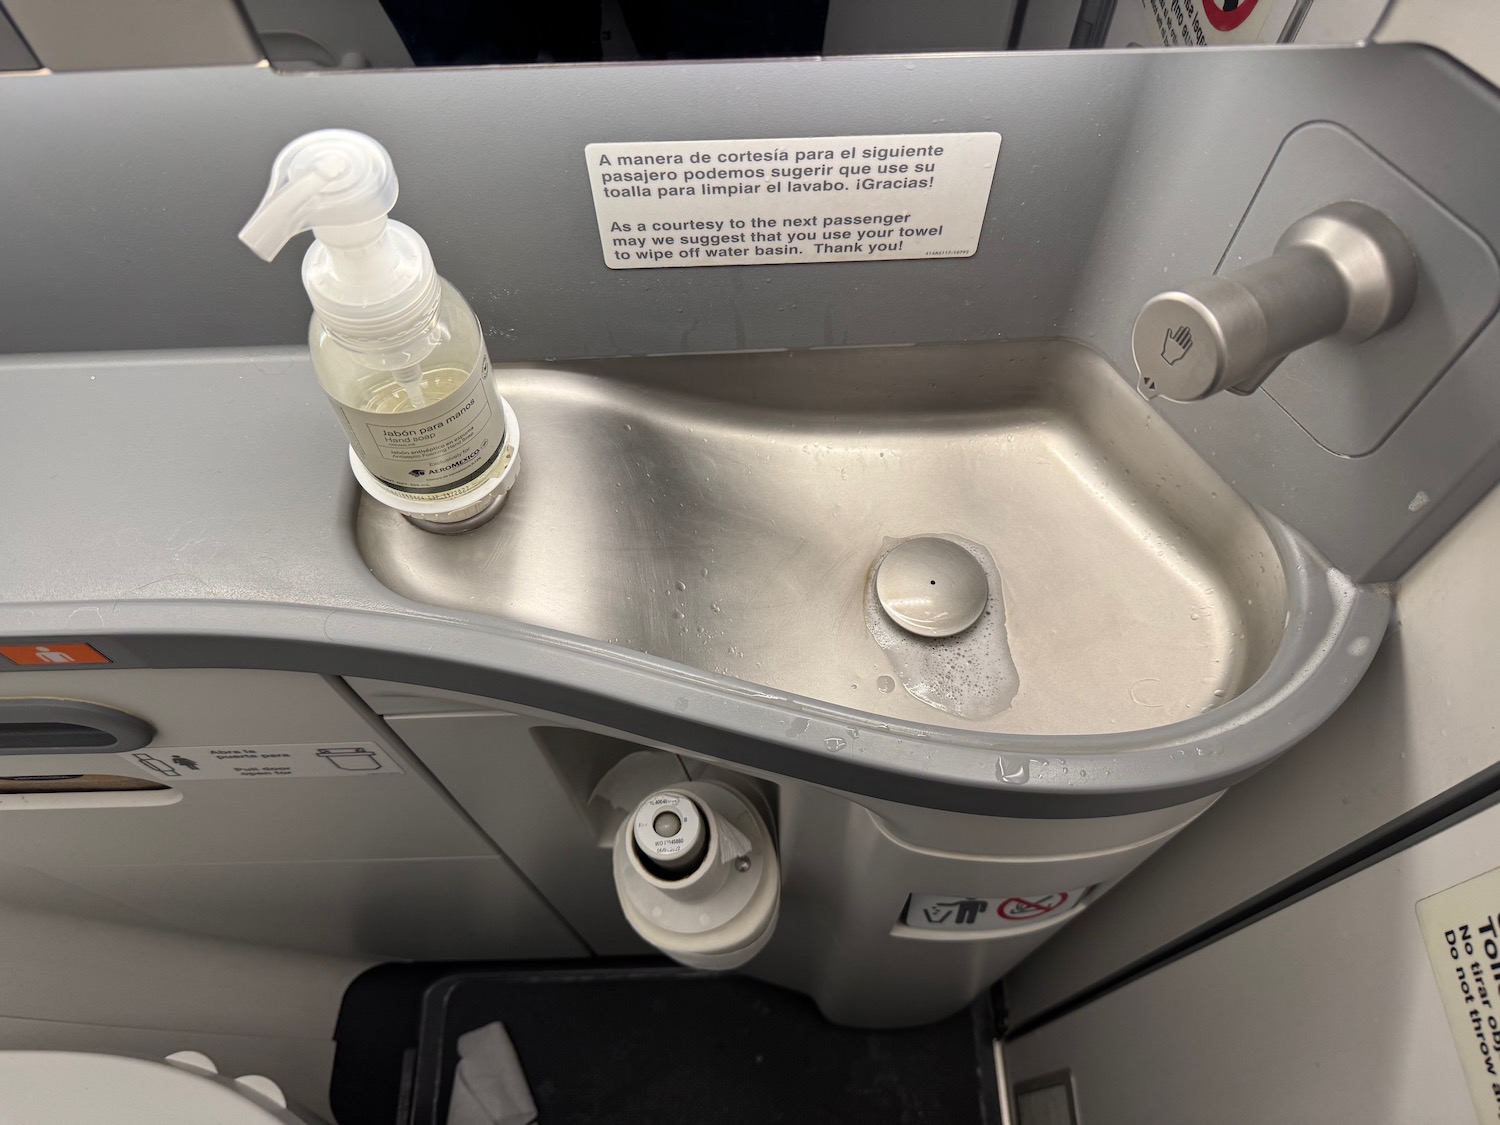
x: 1461, y: 929
x: 799, y: 199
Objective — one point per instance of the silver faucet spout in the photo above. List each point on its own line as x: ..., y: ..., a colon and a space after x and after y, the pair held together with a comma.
x: 1343, y: 271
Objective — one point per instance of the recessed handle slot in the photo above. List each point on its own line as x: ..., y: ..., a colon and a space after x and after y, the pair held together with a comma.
x: 68, y: 726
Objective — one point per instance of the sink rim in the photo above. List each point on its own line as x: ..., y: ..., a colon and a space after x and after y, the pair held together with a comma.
x: 321, y: 611
x: 1335, y: 630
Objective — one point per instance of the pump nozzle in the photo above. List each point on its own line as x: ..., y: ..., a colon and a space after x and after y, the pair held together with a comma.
x: 370, y: 279
x: 331, y: 178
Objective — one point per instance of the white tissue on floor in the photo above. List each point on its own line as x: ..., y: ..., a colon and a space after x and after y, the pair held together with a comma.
x: 489, y: 1086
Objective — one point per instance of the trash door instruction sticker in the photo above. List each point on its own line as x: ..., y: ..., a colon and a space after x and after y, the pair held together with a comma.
x: 662, y: 204
x: 962, y: 913
x: 228, y: 763
x: 1461, y: 928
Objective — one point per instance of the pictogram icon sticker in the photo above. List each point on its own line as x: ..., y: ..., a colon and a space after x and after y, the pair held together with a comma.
x: 1025, y: 909
x: 53, y: 655
x: 1226, y: 15
x: 971, y: 914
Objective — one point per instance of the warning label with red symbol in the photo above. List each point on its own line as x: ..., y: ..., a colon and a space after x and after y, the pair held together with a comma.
x: 1025, y: 909
x: 973, y: 914
x: 1197, y: 23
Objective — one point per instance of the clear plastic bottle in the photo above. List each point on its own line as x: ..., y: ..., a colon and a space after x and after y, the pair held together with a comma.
x: 352, y: 380
x: 397, y: 349
x: 424, y: 420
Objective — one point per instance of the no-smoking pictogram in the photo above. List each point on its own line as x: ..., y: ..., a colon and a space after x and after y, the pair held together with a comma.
x: 1025, y: 909
x: 1226, y: 15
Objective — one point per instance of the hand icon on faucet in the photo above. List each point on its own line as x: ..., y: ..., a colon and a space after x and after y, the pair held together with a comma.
x: 1344, y: 271
x: 1178, y: 343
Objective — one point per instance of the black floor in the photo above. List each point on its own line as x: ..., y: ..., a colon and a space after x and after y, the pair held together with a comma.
x: 645, y: 1043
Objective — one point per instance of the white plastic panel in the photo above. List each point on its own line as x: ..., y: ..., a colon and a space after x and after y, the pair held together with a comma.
x: 1325, y: 1011
x: 846, y: 880
x: 72, y: 1088
x: 355, y: 863
x: 233, y: 821
x: 492, y: 764
x: 302, y: 1067
x: 433, y: 909
x: 1422, y: 721
x: 70, y: 956
x: 387, y: 698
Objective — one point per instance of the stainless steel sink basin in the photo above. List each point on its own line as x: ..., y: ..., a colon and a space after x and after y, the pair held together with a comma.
x: 724, y: 512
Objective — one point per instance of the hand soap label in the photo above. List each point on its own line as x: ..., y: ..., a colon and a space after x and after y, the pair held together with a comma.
x: 431, y: 451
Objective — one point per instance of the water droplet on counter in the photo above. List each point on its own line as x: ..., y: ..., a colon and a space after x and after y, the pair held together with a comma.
x: 681, y: 585
x: 885, y: 684
x: 1147, y: 692
x: 1013, y: 770
x: 799, y: 726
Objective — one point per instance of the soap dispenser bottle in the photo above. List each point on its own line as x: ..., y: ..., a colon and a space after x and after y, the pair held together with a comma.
x: 397, y: 349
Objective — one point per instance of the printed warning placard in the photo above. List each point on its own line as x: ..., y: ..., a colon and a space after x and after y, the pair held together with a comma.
x: 1196, y: 23
x: 1461, y: 928
x: 662, y: 204
x: 226, y: 763
x: 966, y: 913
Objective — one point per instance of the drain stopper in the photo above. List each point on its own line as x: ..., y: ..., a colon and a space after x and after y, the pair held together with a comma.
x: 931, y: 587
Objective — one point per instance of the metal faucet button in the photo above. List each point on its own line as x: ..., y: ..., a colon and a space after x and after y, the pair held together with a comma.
x: 931, y: 587
x: 1345, y: 270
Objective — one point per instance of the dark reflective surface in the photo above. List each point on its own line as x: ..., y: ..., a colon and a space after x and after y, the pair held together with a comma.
x: 469, y: 32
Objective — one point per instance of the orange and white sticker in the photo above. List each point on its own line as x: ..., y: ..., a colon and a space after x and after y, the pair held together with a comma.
x: 53, y: 655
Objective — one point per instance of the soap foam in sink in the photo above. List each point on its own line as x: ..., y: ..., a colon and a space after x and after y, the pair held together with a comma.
x: 970, y: 674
